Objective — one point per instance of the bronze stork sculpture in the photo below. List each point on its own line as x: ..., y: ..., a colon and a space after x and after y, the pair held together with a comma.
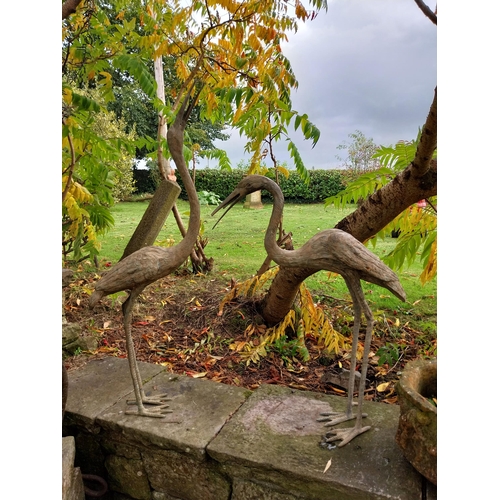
x: 336, y: 251
x: 149, y: 264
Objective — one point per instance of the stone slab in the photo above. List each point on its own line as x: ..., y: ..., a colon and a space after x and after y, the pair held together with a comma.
x: 275, y: 439
x: 97, y: 400
x: 99, y: 385
x: 200, y: 409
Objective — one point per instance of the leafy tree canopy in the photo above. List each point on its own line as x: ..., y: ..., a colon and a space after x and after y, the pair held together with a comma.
x: 225, y: 54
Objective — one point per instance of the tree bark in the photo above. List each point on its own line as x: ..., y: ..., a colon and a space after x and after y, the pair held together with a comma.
x: 154, y: 217
x: 163, y: 163
x: 416, y: 182
x: 427, y: 11
x: 69, y: 7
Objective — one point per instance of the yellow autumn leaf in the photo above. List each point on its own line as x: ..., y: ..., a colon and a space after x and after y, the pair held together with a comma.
x: 283, y: 171
x: 237, y: 346
x: 300, y: 11
x: 106, y: 79
x: 383, y: 387
x: 431, y: 268
x: 67, y: 95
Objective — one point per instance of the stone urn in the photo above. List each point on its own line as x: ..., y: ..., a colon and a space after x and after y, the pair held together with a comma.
x: 417, y: 429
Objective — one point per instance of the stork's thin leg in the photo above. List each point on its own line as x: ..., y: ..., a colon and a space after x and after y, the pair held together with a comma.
x: 334, y: 418
x: 140, y: 396
x: 346, y: 435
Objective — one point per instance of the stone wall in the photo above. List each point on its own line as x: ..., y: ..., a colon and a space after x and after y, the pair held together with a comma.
x: 225, y: 443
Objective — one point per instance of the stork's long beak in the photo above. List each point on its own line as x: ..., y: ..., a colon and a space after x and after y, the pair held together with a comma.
x: 230, y: 201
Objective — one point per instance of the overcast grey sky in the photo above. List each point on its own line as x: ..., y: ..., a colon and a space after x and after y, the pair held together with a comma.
x: 367, y: 65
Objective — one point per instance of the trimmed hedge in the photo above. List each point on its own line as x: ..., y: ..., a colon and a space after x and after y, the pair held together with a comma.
x: 144, y: 182
x: 324, y: 183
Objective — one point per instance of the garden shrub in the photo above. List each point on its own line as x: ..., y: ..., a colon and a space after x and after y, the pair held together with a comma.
x: 323, y: 183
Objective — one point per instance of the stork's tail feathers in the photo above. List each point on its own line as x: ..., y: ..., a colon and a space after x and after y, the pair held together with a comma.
x: 95, y: 298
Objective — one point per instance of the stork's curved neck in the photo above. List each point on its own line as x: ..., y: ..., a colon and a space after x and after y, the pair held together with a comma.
x: 175, y: 140
x: 280, y: 256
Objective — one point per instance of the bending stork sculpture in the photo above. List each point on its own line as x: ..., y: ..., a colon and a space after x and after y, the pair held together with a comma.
x: 149, y: 264
x: 336, y: 251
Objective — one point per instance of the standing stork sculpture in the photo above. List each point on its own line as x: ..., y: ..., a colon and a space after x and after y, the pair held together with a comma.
x: 339, y: 252
x: 150, y: 264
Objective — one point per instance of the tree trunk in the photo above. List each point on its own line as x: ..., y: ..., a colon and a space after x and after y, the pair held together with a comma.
x: 167, y: 192
x: 163, y: 163
x: 416, y: 182
x: 154, y: 217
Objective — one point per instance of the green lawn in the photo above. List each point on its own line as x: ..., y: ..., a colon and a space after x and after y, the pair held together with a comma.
x: 236, y: 245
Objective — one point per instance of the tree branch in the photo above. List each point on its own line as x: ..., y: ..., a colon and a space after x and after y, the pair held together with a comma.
x: 71, y: 167
x: 428, y: 141
x: 384, y: 205
x: 69, y: 7
x: 427, y: 11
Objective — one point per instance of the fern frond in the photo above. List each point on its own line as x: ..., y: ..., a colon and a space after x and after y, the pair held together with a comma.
x: 362, y: 187
x: 247, y: 288
x: 307, y: 319
x: 299, y: 164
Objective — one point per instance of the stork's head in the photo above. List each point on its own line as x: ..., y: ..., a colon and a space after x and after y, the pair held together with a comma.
x: 247, y: 185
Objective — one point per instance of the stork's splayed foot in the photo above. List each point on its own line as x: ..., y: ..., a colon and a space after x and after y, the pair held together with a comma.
x: 158, y: 411
x: 160, y: 401
x: 346, y: 435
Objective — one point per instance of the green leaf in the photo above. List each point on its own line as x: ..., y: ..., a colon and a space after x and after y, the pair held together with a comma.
x: 297, y: 160
x: 427, y: 244
x: 84, y: 103
x: 362, y: 187
x: 298, y: 120
x: 239, y: 93
x: 101, y: 217
x: 220, y: 155
x: 139, y: 70
x: 241, y: 62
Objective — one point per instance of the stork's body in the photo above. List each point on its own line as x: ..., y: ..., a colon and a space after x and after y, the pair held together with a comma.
x: 149, y: 264
x: 336, y: 251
